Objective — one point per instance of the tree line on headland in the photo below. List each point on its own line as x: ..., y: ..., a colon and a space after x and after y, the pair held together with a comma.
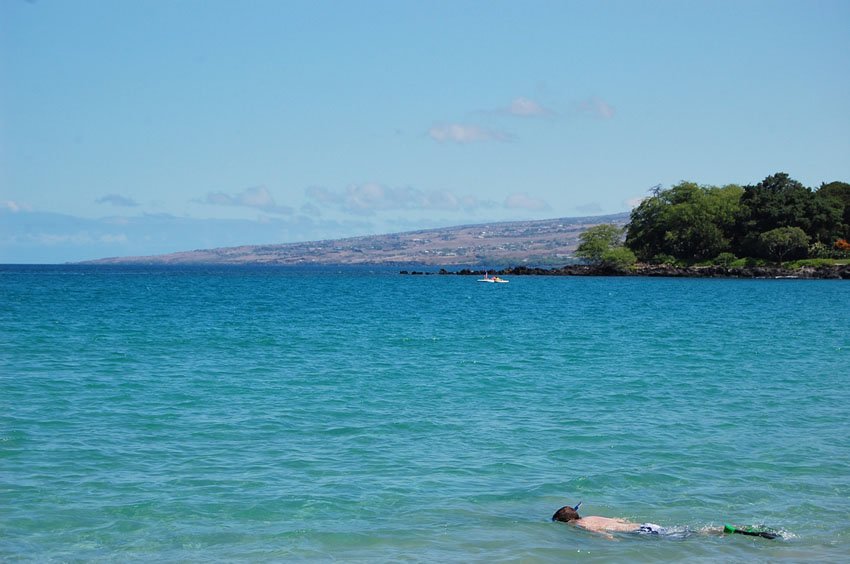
x: 776, y: 220
x: 721, y: 231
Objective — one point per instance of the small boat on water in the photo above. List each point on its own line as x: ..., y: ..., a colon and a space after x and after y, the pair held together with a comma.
x: 493, y: 280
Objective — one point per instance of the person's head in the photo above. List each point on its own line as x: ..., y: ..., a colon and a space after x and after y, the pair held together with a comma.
x: 566, y: 514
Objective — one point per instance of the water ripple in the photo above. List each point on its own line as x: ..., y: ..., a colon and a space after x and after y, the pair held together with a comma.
x: 277, y: 415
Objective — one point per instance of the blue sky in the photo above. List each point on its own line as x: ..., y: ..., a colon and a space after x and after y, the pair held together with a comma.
x: 132, y: 128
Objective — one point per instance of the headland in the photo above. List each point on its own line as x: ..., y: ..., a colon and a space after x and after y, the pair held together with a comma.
x: 823, y: 272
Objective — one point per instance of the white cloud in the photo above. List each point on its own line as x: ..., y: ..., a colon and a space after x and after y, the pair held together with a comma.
x: 525, y: 107
x: 597, y: 107
x: 256, y: 197
x: 525, y: 202
x: 117, y: 200
x: 366, y: 199
x: 14, y: 207
x: 464, y: 133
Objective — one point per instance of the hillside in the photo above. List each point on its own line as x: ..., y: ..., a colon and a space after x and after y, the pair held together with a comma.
x: 550, y: 241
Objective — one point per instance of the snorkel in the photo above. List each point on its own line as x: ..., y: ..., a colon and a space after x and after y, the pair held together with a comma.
x: 577, y: 506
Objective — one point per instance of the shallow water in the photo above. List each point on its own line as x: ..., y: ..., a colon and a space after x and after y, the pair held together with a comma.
x: 291, y: 414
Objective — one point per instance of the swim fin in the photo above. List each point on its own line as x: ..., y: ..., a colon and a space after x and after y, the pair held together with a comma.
x: 749, y: 531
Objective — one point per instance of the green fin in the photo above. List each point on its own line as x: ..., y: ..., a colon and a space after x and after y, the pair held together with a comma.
x: 750, y: 531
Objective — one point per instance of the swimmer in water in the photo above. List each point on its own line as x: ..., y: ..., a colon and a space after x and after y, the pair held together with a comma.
x: 604, y: 525
x: 607, y: 525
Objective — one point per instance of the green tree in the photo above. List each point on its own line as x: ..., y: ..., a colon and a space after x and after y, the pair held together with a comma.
x: 780, y: 201
x: 725, y: 259
x: 619, y: 258
x: 837, y: 195
x: 784, y: 242
x: 687, y: 221
x: 595, y: 241
x: 647, y: 227
x: 836, y: 191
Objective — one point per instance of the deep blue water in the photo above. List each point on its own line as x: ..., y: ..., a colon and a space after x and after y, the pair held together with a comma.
x: 268, y: 414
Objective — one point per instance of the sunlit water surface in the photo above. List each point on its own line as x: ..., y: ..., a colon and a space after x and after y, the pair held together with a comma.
x: 282, y: 414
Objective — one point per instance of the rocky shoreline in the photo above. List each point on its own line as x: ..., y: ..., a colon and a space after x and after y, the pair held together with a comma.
x: 833, y: 272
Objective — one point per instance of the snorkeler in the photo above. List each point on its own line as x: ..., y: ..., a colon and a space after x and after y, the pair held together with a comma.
x: 603, y: 525
x: 607, y: 525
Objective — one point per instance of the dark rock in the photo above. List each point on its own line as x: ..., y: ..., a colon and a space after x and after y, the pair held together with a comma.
x: 665, y: 270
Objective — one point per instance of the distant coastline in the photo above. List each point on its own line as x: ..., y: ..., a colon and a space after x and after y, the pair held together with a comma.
x: 828, y: 272
x: 539, y: 242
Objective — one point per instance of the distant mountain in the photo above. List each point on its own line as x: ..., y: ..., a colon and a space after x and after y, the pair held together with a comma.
x: 548, y: 241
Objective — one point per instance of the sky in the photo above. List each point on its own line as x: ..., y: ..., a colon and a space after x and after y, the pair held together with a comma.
x: 147, y: 127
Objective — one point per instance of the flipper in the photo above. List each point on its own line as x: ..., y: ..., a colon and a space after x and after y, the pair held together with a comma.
x: 749, y: 531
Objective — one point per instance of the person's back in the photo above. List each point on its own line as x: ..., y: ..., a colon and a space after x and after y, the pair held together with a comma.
x: 605, y: 524
x: 593, y: 523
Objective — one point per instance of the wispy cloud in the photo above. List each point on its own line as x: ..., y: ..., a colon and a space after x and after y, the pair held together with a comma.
x: 525, y: 107
x: 14, y: 206
x: 77, y: 238
x: 256, y: 197
x: 40, y: 237
x: 117, y: 200
x: 466, y: 133
x: 310, y: 209
x: 522, y: 201
x: 366, y: 199
x: 597, y: 107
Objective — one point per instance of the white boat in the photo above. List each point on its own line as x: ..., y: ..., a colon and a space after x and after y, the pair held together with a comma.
x: 493, y: 280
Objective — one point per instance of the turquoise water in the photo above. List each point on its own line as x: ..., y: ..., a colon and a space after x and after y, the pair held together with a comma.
x: 302, y: 415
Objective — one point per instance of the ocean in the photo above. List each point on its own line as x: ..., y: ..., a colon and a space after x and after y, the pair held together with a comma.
x: 296, y: 414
